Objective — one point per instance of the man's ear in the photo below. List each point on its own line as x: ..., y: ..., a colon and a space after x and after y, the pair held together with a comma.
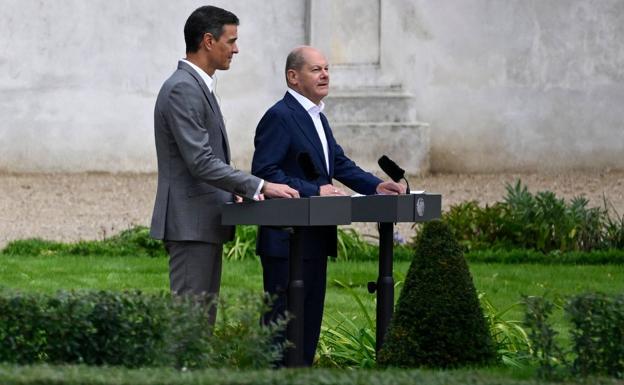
x: 208, y: 41
x: 292, y: 77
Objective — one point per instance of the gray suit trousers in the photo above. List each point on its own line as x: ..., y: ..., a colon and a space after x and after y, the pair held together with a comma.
x: 195, y: 268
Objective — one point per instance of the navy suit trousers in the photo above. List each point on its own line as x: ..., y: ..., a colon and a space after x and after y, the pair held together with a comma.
x: 275, y: 277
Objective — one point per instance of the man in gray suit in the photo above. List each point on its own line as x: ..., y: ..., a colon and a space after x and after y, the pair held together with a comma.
x: 194, y: 175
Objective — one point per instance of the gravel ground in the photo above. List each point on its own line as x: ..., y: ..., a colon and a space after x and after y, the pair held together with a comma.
x: 70, y: 207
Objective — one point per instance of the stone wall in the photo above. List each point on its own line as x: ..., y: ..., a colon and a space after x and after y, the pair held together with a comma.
x: 515, y: 85
x: 78, y: 79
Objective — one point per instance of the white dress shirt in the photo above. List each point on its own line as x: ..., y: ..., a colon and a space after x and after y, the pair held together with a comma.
x: 315, y: 113
x: 202, y: 74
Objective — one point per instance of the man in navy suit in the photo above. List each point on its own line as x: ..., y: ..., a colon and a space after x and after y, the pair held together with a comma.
x: 294, y: 145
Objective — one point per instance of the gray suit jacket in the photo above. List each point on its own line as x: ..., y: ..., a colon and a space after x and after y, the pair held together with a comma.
x: 194, y: 175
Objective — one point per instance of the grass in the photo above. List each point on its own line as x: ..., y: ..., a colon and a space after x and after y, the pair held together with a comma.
x: 502, y: 284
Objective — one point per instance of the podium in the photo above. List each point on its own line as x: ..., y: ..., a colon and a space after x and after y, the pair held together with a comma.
x: 293, y: 214
x: 387, y: 210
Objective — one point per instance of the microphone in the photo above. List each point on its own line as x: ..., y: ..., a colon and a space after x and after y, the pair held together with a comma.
x: 393, y: 170
x: 307, y: 165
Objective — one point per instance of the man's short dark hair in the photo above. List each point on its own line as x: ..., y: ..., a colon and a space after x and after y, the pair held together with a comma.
x: 206, y: 19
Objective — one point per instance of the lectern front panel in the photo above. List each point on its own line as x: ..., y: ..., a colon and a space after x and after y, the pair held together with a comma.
x: 383, y: 208
x: 315, y: 211
x: 270, y: 212
x: 330, y: 211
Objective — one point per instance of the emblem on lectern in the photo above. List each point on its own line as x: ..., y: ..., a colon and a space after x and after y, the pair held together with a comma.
x: 420, y: 207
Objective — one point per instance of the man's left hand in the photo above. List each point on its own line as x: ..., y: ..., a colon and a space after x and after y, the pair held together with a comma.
x: 390, y: 188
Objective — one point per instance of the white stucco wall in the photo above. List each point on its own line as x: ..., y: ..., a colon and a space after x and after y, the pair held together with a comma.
x: 514, y: 85
x: 521, y: 85
x: 78, y: 79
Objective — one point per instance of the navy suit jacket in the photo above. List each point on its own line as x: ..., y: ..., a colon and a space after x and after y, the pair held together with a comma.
x: 285, y: 131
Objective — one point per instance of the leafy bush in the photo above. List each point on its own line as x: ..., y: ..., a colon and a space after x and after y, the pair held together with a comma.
x: 132, y: 329
x: 132, y: 242
x: 474, y: 227
x: 597, y: 330
x: 438, y: 321
x: 345, y: 344
x: 543, y: 337
x: 243, y: 246
x: 598, y: 334
x: 539, y: 222
x: 353, y: 247
x: 511, y: 340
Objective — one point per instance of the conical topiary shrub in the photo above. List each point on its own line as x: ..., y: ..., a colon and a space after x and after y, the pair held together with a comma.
x: 438, y: 321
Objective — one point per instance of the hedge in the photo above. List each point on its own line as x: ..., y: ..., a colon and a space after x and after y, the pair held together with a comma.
x: 597, y: 330
x: 82, y: 375
x: 133, y: 329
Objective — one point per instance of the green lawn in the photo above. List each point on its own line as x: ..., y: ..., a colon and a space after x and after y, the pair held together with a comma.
x: 502, y: 284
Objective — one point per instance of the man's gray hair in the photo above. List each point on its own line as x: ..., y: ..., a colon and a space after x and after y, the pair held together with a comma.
x: 295, y: 59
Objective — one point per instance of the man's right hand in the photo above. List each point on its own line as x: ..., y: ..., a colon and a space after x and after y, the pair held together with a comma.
x: 329, y: 189
x: 276, y: 190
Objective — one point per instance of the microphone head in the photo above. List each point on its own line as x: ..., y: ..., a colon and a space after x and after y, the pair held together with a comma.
x: 307, y: 165
x: 395, y: 172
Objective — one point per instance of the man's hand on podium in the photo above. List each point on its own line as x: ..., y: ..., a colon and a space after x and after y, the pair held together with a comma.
x: 390, y: 188
x: 331, y: 190
x: 276, y: 190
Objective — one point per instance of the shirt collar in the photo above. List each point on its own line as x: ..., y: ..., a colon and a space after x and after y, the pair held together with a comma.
x: 306, y: 103
x: 202, y: 74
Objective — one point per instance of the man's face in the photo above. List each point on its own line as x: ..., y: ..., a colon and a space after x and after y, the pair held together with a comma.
x: 312, y: 80
x: 223, y: 50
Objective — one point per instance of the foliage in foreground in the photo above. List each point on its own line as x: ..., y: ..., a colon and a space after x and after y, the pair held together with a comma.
x: 345, y: 344
x: 597, y: 329
x: 82, y: 375
x: 438, y: 321
x: 134, y: 330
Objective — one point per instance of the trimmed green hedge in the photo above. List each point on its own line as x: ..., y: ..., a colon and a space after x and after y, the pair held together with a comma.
x: 81, y: 375
x: 134, y: 329
x: 597, y: 330
x: 597, y: 257
x: 438, y: 322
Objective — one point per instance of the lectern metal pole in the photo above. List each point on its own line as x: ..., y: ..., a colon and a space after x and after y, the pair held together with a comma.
x: 385, y: 282
x: 294, y: 355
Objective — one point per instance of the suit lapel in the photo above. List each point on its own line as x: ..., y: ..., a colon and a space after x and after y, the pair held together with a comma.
x: 330, y: 148
x: 306, y: 126
x: 212, y: 102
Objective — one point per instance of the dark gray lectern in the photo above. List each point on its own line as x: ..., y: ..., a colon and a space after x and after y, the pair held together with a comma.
x: 387, y: 210
x: 322, y: 211
x: 292, y: 214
